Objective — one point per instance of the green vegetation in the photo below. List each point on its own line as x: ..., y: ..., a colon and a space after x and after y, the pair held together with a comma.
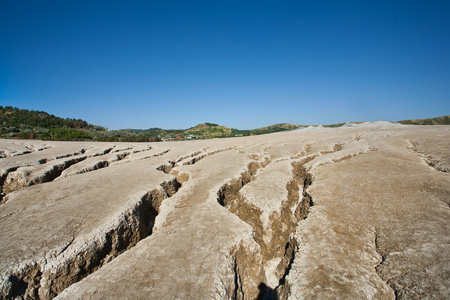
x: 274, y: 128
x: 15, y: 117
x: 210, y: 130
x: 334, y: 125
x: 28, y: 124
x: 445, y: 120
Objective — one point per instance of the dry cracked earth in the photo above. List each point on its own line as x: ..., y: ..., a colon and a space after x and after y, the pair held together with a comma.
x: 358, y: 212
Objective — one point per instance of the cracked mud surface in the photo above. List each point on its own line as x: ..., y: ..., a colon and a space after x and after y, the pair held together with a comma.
x: 349, y: 213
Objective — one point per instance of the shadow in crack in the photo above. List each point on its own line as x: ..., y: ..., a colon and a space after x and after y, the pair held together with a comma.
x: 266, y: 292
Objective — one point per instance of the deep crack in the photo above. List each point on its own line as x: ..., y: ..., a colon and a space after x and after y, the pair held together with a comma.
x: 166, y: 168
x: 283, y: 224
x: 74, y: 262
x: 28, y: 176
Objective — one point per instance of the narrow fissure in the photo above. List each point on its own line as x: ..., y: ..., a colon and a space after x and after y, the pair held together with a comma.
x: 31, y: 149
x: 282, y: 290
x: 106, y: 151
x: 10, y: 181
x: 294, y: 210
x: 122, y: 155
x: 195, y: 159
x: 304, y: 179
x: 120, y: 149
x: 336, y: 148
x: 199, y: 157
x: 3, y: 177
x: 42, y: 161
x: 161, y: 153
x: 100, y: 165
x: 21, y: 177
x: 23, y: 153
x: 188, y: 156
x: 434, y: 161
x: 170, y: 187
x: 379, y: 267
x: 167, y: 167
x: 155, y: 155
x: 142, y: 150
x: 17, y: 181
x: 287, y: 260
x: 82, y: 151
x: 238, y: 293
x: 56, y: 171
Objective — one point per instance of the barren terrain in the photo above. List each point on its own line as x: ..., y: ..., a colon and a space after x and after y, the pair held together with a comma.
x: 356, y: 212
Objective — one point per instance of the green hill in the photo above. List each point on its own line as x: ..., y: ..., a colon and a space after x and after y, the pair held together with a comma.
x: 209, y: 130
x: 28, y: 124
x: 444, y: 120
x: 274, y: 128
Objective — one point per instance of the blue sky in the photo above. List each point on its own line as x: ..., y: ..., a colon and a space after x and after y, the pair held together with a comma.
x: 243, y: 64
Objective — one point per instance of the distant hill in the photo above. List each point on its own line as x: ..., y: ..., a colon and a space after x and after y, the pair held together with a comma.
x: 28, y: 124
x: 274, y: 128
x: 15, y: 117
x: 444, y: 120
x: 211, y: 130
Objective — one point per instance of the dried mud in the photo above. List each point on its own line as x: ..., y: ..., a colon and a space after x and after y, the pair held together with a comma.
x: 313, y: 213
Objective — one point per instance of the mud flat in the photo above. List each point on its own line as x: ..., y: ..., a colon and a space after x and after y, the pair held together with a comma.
x: 357, y: 212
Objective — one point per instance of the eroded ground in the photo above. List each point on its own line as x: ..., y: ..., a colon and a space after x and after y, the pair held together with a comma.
x: 353, y: 213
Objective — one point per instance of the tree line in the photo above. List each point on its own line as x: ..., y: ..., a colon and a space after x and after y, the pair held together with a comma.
x: 29, y: 124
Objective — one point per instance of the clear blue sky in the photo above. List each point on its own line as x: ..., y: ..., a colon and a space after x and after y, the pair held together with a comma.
x: 243, y: 64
